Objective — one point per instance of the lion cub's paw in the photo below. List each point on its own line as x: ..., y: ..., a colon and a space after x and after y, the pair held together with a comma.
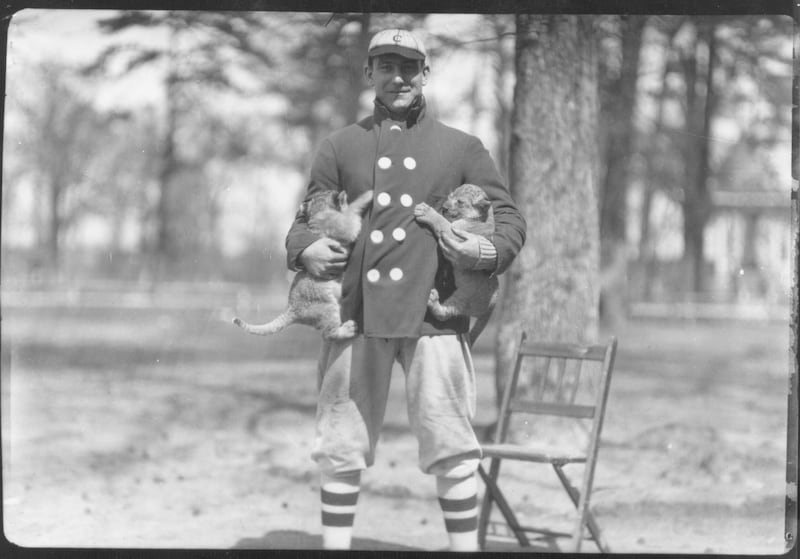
x: 436, y: 308
x: 348, y: 330
x: 345, y: 331
x: 422, y: 210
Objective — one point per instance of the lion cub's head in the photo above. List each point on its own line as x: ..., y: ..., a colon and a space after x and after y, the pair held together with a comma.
x: 467, y: 202
x: 331, y: 214
x: 321, y: 201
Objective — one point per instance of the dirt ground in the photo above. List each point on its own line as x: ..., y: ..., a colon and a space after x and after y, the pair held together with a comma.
x: 169, y: 428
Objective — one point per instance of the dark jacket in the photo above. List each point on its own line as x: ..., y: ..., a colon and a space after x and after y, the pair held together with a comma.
x: 395, y: 261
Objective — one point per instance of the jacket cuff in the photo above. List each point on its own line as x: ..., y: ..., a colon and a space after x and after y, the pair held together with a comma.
x: 487, y: 255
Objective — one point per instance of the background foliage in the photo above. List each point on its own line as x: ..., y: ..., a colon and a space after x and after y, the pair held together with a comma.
x: 198, y: 178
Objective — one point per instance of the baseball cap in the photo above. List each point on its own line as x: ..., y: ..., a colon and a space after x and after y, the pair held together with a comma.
x: 398, y: 41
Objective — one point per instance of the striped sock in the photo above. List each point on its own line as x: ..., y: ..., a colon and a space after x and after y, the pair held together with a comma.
x: 339, y: 495
x: 459, y: 501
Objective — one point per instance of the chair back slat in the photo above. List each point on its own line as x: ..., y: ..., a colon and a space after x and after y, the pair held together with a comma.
x: 577, y: 381
x: 565, y: 351
x: 551, y: 408
x: 544, y: 372
x: 561, y: 373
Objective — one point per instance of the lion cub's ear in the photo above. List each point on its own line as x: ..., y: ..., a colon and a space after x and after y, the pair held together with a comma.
x: 341, y: 199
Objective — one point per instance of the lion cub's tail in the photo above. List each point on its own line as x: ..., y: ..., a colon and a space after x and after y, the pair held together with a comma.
x: 276, y: 325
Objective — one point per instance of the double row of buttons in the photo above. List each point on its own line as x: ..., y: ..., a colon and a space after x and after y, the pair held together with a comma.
x: 384, y: 199
x: 409, y: 163
x: 396, y: 274
x: 399, y: 235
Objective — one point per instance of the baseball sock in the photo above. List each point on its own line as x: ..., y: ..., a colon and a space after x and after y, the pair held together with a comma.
x: 339, y: 495
x: 459, y: 501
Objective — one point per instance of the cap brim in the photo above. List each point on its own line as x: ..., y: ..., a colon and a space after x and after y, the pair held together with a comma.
x: 405, y: 52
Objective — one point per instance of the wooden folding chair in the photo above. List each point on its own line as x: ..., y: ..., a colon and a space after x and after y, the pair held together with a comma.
x: 567, y: 382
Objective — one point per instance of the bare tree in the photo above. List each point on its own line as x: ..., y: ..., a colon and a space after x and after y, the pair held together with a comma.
x: 655, y: 143
x: 63, y: 135
x: 697, y: 61
x: 618, y: 107
x: 209, y: 48
x: 503, y: 66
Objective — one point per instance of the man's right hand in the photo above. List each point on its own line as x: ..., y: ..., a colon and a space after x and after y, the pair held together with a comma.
x: 324, y: 258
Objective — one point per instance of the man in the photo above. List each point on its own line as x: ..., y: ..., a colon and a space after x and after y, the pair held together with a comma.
x: 406, y: 157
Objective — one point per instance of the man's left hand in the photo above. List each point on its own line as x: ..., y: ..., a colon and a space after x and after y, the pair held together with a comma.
x: 460, y: 247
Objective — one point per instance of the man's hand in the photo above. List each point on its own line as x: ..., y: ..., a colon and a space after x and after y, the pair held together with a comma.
x: 324, y: 258
x: 460, y: 247
x: 468, y: 251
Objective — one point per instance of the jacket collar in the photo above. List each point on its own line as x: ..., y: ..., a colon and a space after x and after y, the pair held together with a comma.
x: 415, y: 113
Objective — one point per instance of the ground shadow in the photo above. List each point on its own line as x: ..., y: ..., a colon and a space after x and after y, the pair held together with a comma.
x: 298, y: 539
x: 541, y: 545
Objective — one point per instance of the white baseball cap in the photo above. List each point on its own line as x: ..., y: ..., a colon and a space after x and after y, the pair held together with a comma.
x: 397, y: 41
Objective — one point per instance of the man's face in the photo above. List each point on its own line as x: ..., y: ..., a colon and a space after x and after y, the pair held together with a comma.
x: 397, y: 80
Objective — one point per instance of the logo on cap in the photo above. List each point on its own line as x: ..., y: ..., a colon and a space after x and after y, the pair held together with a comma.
x: 398, y: 41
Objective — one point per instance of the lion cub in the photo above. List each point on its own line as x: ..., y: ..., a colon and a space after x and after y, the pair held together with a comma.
x: 314, y: 301
x: 468, y: 208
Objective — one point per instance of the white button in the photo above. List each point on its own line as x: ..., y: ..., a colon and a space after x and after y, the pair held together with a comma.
x: 384, y: 163
x: 376, y: 237
x: 396, y: 274
x: 399, y: 234
x: 394, y: 127
x: 373, y: 275
x: 384, y: 199
x: 409, y: 162
x: 406, y: 200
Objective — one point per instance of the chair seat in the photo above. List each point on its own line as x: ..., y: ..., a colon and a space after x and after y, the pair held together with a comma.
x: 528, y: 454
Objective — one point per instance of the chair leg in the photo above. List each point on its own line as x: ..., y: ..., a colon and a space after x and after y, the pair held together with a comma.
x: 586, y: 515
x: 486, y: 506
x: 486, y: 511
x: 494, y: 493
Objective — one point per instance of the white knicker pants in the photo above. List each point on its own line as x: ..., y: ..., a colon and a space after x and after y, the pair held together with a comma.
x: 354, y: 379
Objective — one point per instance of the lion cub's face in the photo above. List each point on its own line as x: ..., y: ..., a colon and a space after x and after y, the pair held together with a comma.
x: 468, y: 202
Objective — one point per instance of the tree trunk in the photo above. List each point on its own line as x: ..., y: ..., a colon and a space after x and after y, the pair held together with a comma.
x: 655, y: 147
x: 51, y: 153
x: 52, y: 247
x: 620, y: 103
x: 356, y: 57
x: 619, y: 111
x: 552, y: 289
x: 163, y: 249
x: 700, y: 105
x: 502, y: 65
